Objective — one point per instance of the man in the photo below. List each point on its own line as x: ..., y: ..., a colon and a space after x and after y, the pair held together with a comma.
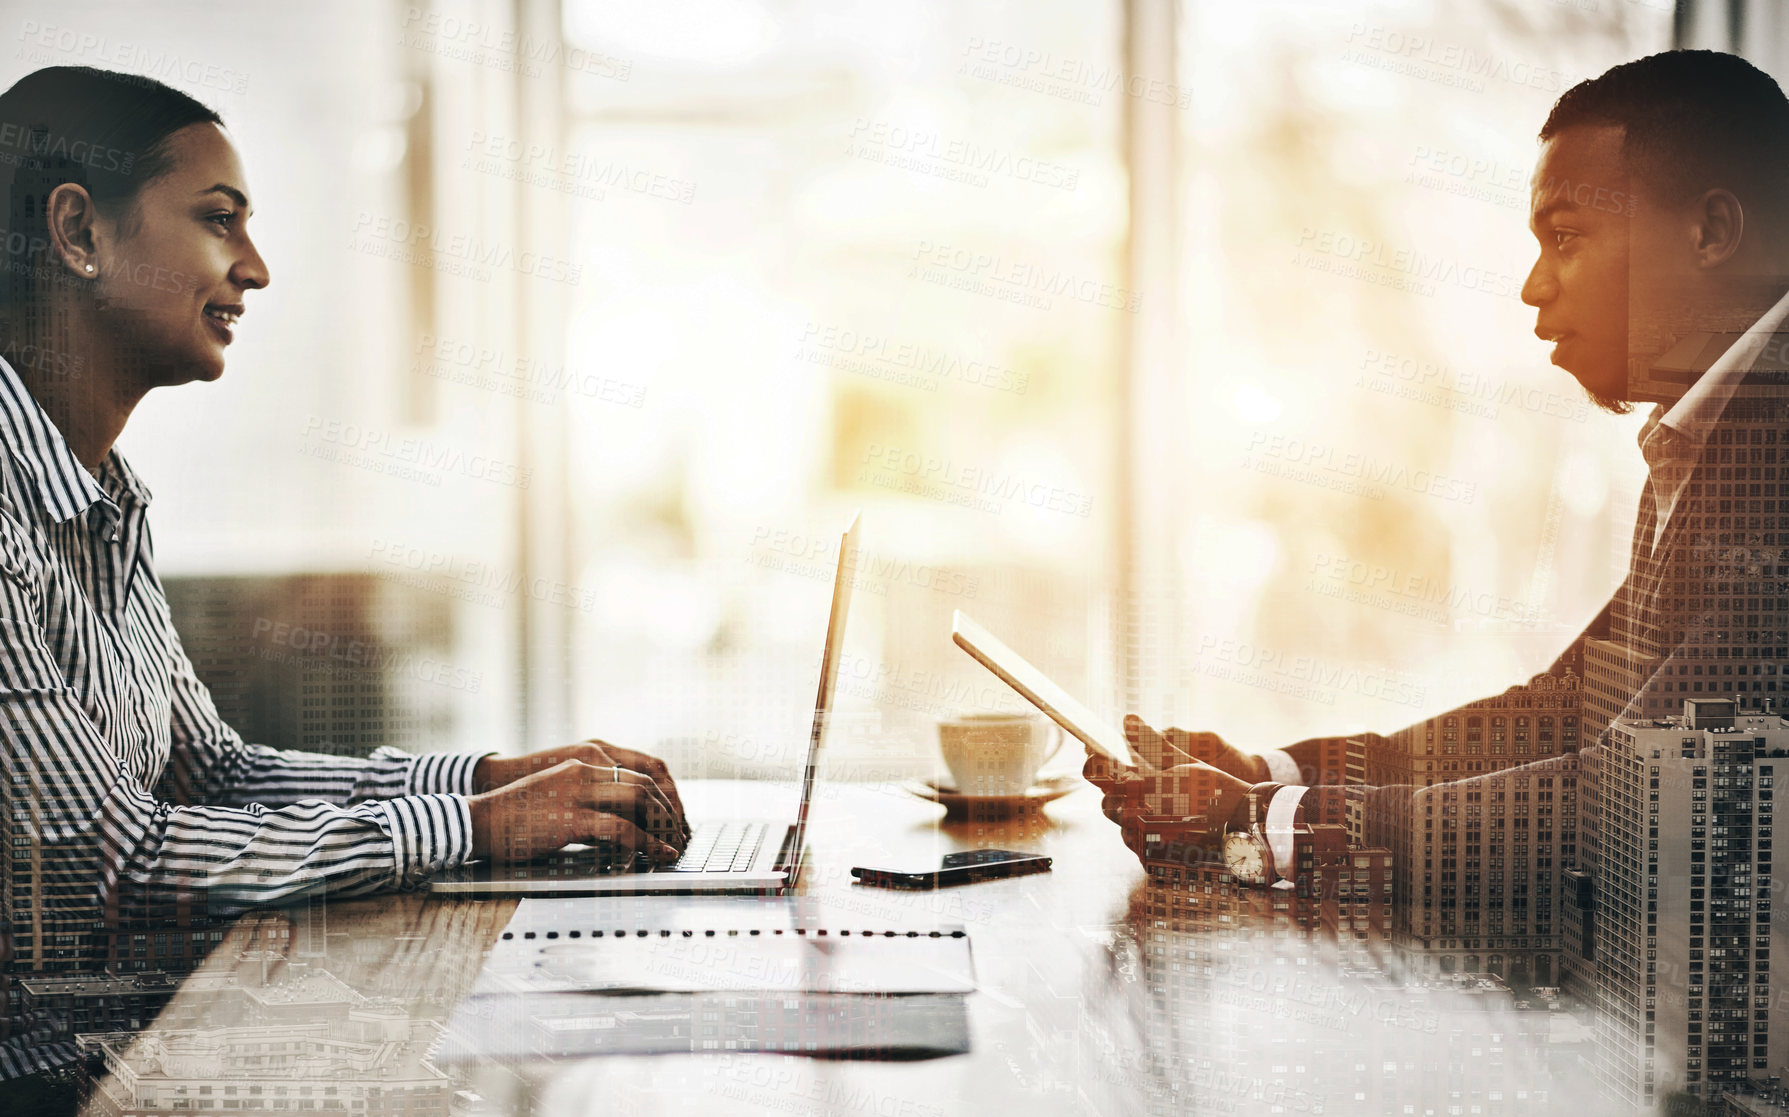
x: 1659, y: 205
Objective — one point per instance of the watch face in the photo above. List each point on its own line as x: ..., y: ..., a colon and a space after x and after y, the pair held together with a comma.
x: 1242, y: 856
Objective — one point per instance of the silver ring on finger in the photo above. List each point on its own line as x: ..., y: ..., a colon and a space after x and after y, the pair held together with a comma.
x: 616, y: 772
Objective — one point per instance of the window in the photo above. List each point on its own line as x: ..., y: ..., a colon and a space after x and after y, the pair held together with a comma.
x: 878, y: 349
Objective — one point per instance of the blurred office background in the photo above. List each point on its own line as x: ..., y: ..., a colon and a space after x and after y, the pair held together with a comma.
x: 1177, y: 342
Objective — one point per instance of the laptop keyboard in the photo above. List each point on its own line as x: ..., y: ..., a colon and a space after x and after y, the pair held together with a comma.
x: 726, y: 847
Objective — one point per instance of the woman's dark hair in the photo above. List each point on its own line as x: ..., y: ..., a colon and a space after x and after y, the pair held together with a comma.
x: 99, y: 129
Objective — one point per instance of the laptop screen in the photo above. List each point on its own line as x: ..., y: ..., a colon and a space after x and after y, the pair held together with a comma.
x: 829, y: 676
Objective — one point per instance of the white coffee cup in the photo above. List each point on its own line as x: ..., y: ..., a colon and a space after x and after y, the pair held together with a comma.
x: 997, y: 754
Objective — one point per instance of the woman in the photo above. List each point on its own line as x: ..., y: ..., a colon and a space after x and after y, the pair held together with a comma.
x: 128, y: 261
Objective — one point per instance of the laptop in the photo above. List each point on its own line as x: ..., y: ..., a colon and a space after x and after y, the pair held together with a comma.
x: 723, y: 855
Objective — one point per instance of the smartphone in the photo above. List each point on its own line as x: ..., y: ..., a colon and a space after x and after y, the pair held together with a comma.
x: 957, y: 868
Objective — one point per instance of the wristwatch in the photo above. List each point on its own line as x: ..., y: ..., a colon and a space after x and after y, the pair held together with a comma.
x: 1245, y: 855
x: 1265, y: 849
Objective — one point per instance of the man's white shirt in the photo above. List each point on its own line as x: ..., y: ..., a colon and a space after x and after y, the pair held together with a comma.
x: 1672, y: 441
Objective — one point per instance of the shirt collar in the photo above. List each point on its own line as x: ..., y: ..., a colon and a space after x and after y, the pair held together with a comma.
x: 1697, y: 411
x: 121, y: 482
x: 64, y: 487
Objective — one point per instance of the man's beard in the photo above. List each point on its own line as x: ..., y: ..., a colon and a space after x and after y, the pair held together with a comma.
x: 1607, y: 403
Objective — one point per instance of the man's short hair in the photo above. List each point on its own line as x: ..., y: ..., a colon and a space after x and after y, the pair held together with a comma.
x: 1694, y: 120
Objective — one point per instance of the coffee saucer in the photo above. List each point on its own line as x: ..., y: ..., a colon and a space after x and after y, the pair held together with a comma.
x: 1045, y: 790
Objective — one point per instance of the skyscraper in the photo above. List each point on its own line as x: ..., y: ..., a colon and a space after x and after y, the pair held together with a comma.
x: 1683, y: 930
x: 1490, y: 818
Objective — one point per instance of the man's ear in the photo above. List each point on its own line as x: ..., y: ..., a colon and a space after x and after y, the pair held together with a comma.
x: 1717, y: 226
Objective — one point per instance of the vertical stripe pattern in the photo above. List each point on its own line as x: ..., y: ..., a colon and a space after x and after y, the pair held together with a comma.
x: 124, y: 793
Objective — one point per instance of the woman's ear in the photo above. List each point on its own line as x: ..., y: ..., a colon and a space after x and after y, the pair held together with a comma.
x: 71, y: 216
x: 1717, y: 226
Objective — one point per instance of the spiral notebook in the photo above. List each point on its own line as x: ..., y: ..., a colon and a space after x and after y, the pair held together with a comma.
x: 730, y: 959
x: 520, y: 1028
x: 762, y: 985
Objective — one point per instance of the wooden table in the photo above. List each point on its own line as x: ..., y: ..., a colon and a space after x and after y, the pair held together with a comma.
x: 1087, y: 1003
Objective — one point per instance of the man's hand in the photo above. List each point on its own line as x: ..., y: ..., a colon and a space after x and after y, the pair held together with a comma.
x: 1166, y: 785
x: 494, y: 772
x: 575, y: 802
x: 1178, y: 746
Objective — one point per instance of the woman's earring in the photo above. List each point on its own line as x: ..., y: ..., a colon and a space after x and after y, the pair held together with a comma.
x: 89, y: 267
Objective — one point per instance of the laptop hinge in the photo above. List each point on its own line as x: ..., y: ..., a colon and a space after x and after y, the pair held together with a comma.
x: 785, y: 858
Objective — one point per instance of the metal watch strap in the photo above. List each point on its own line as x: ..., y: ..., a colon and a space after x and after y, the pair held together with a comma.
x: 1258, y: 797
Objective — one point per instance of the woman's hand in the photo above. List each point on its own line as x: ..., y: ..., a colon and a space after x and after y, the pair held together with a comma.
x: 493, y: 772
x: 573, y: 801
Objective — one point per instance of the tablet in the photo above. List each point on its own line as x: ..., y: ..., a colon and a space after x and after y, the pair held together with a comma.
x: 1038, y: 690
